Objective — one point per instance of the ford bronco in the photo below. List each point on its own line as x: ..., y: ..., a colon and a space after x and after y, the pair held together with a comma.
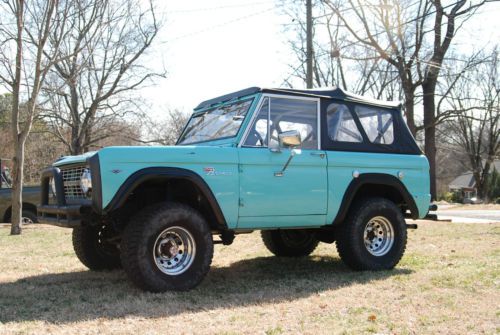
x: 302, y: 166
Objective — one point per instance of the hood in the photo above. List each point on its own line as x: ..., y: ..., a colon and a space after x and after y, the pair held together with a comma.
x: 65, y: 160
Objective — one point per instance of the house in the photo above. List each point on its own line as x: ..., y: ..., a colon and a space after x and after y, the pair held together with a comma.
x: 465, y: 184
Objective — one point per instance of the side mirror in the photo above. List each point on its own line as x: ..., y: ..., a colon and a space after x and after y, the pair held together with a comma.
x: 290, y: 139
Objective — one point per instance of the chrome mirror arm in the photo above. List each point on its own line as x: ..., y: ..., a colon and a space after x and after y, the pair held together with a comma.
x: 293, y: 152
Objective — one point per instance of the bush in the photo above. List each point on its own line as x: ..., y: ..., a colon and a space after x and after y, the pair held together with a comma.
x: 451, y: 197
x: 447, y: 196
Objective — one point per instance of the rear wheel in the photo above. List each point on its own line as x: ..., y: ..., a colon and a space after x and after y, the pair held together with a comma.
x: 93, y: 247
x: 167, y: 247
x: 373, y: 237
x: 289, y: 242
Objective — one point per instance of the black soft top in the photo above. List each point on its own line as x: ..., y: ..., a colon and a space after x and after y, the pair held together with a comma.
x: 328, y: 93
x: 403, y: 143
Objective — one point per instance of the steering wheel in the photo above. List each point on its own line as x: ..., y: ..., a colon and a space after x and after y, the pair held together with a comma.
x: 259, y: 137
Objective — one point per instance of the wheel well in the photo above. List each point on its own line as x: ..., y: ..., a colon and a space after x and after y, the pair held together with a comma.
x: 378, y: 190
x: 26, y: 206
x: 181, y: 190
x: 376, y: 185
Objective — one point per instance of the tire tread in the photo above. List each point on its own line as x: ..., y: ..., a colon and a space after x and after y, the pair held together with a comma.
x: 273, y: 242
x: 85, y: 251
x: 133, y: 237
x: 350, y: 252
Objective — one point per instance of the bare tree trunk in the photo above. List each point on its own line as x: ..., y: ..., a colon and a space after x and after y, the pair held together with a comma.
x: 18, y: 159
x: 409, y: 105
x: 430, y: 131
x: 17, y: 188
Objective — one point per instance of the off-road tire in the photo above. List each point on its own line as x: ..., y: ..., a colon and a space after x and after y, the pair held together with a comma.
x: 138, y: 252
x: 93, y: 250
x: 351, y: 243
x: 290, y: 242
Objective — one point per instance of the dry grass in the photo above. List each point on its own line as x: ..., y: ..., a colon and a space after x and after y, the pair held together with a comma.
x: 448, y: 282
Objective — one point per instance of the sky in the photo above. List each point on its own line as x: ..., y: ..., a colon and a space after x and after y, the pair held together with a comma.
x: 210, y: 48
x: 213, y: 47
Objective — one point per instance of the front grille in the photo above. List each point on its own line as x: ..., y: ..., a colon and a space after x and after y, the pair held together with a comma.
x: 71, y: 181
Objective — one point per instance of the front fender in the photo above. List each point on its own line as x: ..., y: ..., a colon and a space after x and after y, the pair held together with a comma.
x: 164, y: 173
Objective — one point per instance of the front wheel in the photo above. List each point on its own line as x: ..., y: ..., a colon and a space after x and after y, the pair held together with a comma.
x: 93, y: 247
x: 167, y: 247
x: 373, y: 237
x: 289, y: 242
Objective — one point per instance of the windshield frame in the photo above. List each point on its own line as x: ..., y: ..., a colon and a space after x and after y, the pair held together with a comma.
x: 251, y: 98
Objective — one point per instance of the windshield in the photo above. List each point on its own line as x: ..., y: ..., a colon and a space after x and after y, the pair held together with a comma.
x: 216, y: 123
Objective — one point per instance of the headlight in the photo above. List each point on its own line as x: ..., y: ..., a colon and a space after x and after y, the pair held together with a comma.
x: 86, y: 182
x: 53, y: 186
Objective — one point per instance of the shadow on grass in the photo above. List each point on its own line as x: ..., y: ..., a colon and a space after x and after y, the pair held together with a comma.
x: 85, y: 295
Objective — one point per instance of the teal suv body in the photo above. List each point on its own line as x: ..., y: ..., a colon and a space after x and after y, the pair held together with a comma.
x: 302, y: 166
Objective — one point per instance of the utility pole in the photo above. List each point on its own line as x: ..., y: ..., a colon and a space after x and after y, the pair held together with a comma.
x: 309, y: 51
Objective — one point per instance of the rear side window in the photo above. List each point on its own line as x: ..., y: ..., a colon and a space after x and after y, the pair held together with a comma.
x: 377, y: 123
x: 341, y: 125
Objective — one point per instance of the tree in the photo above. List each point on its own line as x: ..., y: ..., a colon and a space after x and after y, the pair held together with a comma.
x: 102, y: 66
x: 335, y: 62
x: 475, y: 99
x: 25, y: 31
x: 414, y: 38
x: 166, y: 131
x: 494, y: 186
x: 41, y: 147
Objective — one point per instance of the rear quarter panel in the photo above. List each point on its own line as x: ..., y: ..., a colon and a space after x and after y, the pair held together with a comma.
x: 341, y: 166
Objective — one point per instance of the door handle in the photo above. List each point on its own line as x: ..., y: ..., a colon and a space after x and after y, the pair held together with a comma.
x: 320, y: 154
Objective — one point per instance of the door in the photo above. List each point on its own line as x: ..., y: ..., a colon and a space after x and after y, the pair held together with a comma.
x: 269, y: 196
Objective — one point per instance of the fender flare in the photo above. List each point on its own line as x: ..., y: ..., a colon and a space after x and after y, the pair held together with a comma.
x: 165, y: 173
x: 378, y: 179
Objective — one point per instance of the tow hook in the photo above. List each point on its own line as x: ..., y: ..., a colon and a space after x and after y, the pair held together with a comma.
x: 411, y: 226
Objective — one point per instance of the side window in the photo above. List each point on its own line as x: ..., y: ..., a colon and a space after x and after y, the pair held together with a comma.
x: 257, y: 137
x: 377, y: 123
x: 341, y: 125
x: 294, y: 114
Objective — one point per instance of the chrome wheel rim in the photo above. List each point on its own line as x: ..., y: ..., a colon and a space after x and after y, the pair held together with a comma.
x: 378, y: 236
x: 174, y: 250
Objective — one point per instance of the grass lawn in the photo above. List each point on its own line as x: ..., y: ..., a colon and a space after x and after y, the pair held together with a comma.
x: 448, y: 282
